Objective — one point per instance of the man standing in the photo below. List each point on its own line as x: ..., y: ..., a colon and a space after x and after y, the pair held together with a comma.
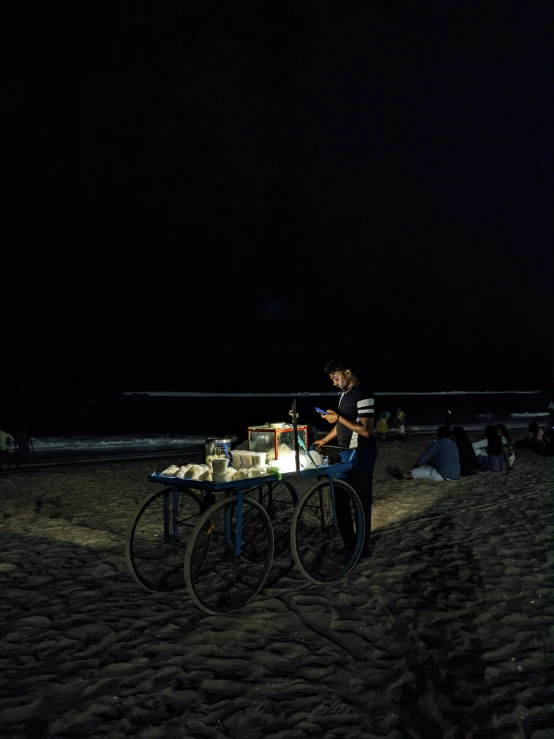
x: 353, y: 429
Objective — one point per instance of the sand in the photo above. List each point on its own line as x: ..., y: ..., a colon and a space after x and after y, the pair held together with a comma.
x: 444, y: 632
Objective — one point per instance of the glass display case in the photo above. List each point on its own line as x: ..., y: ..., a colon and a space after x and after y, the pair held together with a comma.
x: 277, y: 440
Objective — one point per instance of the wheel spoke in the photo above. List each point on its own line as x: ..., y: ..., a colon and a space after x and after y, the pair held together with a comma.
x: 279, y: 500
x: 154, y: 554
x: 228, y: 580
x: 319, y: 549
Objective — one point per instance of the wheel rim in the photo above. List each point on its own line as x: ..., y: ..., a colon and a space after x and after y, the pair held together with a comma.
x: 225, y: 581
x: 158, y: 538
x: 320, y: 550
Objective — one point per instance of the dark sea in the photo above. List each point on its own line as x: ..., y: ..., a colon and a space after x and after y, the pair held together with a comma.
x: 119, y: 425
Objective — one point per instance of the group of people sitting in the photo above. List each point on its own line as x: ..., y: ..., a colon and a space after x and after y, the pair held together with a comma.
x: 453, y: 455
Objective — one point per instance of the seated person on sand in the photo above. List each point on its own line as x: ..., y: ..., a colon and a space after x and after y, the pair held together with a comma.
x: 445, y: 457
x: 502, y: 431
x: 533, y: 437
x: 468, y: 460
x: 497, y: 456
x: 481, y: 446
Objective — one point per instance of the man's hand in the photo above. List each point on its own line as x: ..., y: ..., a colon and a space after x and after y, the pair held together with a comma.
x: 330, y: 416
x: 319, y: 443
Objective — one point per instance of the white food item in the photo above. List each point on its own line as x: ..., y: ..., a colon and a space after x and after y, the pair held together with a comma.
x: 206, y: 476
x: 236, y: 457
x: 171, y: 470
x: 181, y: 473
x: 219, y: 465
x: 285, y: 450
x: 211, y: 457
x: 241, y: 475
x: 194, y: 472
x: 258, y: 458
x: 231, y: 471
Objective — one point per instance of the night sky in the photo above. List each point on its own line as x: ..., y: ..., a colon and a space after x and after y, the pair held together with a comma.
x: 220, y: 197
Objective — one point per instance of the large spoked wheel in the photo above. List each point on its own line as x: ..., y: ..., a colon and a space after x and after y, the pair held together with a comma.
x: 157, y: 538
x: 239, y: 554
x: 327, y: 531
x: 279, y: 500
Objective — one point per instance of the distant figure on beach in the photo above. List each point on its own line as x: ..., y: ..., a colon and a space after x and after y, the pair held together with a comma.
x: 468, y: 460
x: 400, y: 419
x: 497, y: 456
x: 23, y: 446
x: 444, y: 456
x: 551, y: 415
x: 6, y: 443
x: 448, y: 419
x: 383, y: 424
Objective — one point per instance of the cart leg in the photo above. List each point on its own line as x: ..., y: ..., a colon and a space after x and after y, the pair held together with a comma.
x: 166, y: 515
x: 238, y: 531
x: 228, y: 540
x: 175, y: 514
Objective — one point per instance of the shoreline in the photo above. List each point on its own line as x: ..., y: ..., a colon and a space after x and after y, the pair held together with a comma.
x: 58, y: 457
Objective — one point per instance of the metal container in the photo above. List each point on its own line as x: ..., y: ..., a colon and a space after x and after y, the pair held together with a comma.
x: 215, y: 447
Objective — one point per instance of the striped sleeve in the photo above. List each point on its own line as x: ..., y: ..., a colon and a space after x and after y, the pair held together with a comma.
x: 366, y: 407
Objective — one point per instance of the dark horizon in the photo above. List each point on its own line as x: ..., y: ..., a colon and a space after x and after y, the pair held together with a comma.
x: 439, y: 379
x: 196, y: 201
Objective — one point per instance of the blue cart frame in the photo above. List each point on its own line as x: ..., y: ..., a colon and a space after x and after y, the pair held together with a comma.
x: 238, y: 488
x: 210, y: 497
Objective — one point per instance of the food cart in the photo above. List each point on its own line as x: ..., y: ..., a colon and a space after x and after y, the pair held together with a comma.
x: 221, y: 538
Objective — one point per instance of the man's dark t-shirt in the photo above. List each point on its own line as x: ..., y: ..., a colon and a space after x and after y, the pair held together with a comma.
x: 355, y: 404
